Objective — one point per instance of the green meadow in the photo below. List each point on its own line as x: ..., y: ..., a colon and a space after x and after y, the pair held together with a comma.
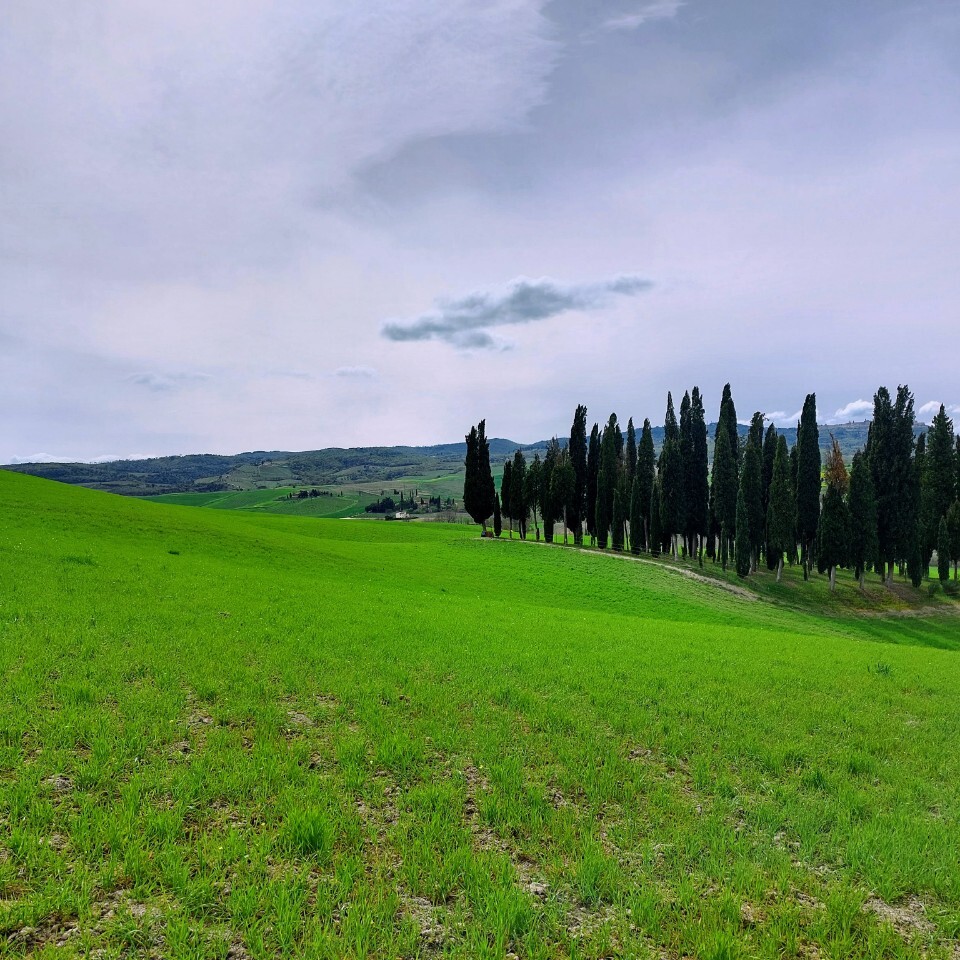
x: 238, y: 734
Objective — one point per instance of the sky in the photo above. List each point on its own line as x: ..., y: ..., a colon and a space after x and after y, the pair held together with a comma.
x: 287, y: 225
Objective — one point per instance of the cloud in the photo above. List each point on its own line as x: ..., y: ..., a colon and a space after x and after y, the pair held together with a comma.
x: 929, y: 410
x: 166, y: 382
x: 356, y: 373
x: 464, y: 321
x: 659, y: 10
x: 783, y: 419
x: 852, y: 409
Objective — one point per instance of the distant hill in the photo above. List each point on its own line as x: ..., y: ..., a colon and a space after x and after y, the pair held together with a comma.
x: 264, y: 469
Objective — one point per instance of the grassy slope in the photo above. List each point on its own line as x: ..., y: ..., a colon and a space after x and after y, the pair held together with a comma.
x: 232, y: 731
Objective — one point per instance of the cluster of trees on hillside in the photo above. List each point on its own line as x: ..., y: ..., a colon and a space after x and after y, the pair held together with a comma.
x: 759, y: 501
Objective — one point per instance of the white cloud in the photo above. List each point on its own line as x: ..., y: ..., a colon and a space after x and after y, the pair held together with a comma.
x: 852, y: 409
x: 166, y: 382
x: 660, y: 10
x: 783, y: 419
x: 929, y: 410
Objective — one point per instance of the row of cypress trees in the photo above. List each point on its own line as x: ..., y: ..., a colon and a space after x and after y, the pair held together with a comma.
x: 759, y: 500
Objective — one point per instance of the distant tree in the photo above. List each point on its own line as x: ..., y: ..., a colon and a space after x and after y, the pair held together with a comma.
x: 617, y: 524
x: 506, y: 494
x: 577, y: 448
x: 656, y: 531
x: 532, y: 490
x: 808, y: 481
x: 769, y: 453
x: 751, y: 483
x: 497, y: 517
x: 478, y: 489
x: 781, y: 513
x: 637, y: 532
x: 631, y: 455
x: 646, y: 471
x: 593, y: 469
x: 518, y: 493
x: 833, y: 531
x: 943, y: 550
x: 548, y: 509
x: 862, y: 509
x: 696, y: 466
x: 723, y: 494
x: 607, y: 479
x: 891, y: 447
x: 938, y: 481
x: 743, y: 557
x: 953, y: 526
x: 563, y: 485
x: 671, y: 492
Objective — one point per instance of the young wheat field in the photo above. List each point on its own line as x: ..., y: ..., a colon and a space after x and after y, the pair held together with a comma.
x: 233, y: 734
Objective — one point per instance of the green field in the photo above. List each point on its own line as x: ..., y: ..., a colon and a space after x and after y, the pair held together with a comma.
x: 228, y: 733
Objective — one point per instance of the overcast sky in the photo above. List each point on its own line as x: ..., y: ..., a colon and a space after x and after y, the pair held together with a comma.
x: 242, y: 224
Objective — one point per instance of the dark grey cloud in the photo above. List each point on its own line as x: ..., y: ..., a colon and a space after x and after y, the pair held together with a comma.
x: 464, y: 321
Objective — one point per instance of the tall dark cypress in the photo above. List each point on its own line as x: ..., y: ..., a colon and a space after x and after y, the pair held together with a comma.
x: 631, y: 455
x: 756, y: 430
x: 742, y: 559
x: 484, y: 473
x: 913, y: 544
x: 506, y: 505
x: 548, y: 509
x: 593, y: 469
x: 891, y: 453
x: 938, y: 480
x: 833, y: 530
x: 671, y: 431
x: 656, y: 530
x: 686, y: 458
x: 497, y: 517
x: 617, y: 522
x: 727, y: 420
x: 531, y: 490
x: 518, y: 493
x: 723, y: 493
x: 808, y: 481
x: 781, y: 513
x: 607, y: 479
x: 563, y: 483
x: 671, y: 492
x: 696, y: 469
x: 577, y: 449
x: 646, y: 471
x: 751, y: 483
x: 769, y: 453
x: 637, y: 533
x: 862, y: 510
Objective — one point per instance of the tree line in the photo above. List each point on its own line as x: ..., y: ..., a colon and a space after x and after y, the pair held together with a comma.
x: 759, y: 501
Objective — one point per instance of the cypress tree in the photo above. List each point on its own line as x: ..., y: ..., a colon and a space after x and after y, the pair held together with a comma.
x: 478, y: 490
x: 781, y: 513
x: 618, y: 437
x: 646, y: 470
x: 518, y: 493
x: 808, y: 480
x: 953, y: 526
x: 593, y: 469
x: 637, y: 537
x: 727, y: 420
x: 862, y: 509
x: 671, y: 492
x: 723, y: 495
x: 497, y: 517
x: 607, y: 479
x: 655, y: 535
x: 938, y: 480
x: 943, y: 550
x: 631, y: 461
x: 577, y: 448
x: 891, y: 450
x: 547, y: 508
x: 751, y: 483
x: 532, y: 491
x: 918, y: 565
x: 696, y: 468
x: 769, y: 453
x: 686, y: 456
x: 743, y: 559
x: 794, y: 469
x: 670, y: 429
x: 833, y: 530
x: 618, y: 521
x: 563, y: 485
x: 506, y: 504
x: 756, y: 431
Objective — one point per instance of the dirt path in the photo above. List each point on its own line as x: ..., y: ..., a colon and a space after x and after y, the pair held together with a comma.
x: 741, y: 592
